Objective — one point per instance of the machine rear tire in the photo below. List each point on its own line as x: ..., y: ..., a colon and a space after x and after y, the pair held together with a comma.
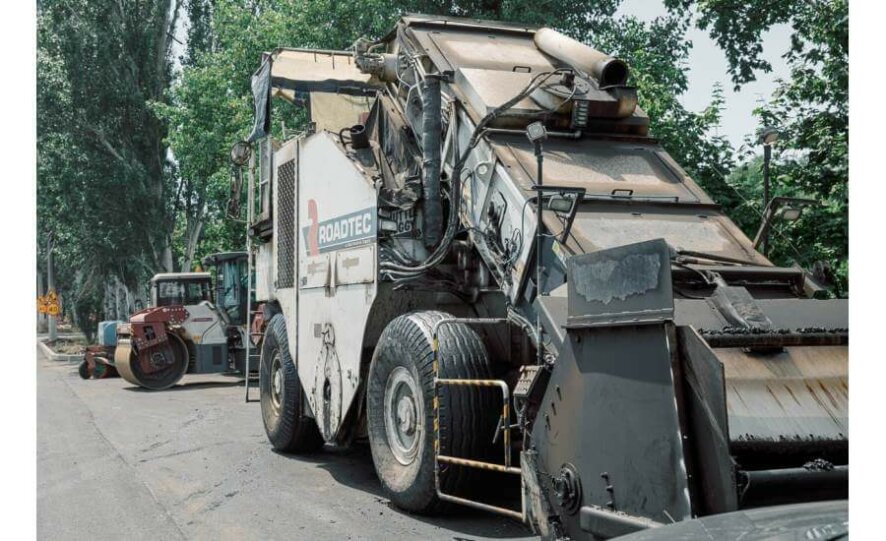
x: 402, y: 370
x: 84, y: 370
x: 282, y: 396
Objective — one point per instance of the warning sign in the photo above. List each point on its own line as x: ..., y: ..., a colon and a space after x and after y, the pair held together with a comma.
x: 48, y: 304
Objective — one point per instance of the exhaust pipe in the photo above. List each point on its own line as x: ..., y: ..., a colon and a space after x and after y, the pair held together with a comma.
x: 431, y: 126
x: 607, y: 70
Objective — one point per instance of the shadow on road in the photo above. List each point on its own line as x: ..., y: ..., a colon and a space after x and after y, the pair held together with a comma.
x: 353, y: 467
x: 189, y: 386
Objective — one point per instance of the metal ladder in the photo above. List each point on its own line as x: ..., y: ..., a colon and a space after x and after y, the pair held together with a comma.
x: 504, y: 426
x: 250, y: 256
x: 253, y: 356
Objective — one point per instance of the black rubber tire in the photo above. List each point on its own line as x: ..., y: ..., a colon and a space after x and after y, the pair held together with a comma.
x: 287, y: 427
x: 84, y: 370
x: 468, y: 415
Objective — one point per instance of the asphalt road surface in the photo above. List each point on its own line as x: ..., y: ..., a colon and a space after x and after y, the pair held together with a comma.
x: 116, y: 462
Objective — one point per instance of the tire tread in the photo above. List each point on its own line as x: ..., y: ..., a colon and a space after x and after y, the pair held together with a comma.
x: 294, y: 432
x: 467, y: 415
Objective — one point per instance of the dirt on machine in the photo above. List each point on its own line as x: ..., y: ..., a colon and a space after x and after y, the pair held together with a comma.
x: 191, y: 327
x: 477, y: 259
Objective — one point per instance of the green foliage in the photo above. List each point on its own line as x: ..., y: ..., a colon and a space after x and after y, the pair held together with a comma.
x: 658, y: 53
x: 103, y: 180
x: 738, y: 28
x: 88, y: 305
x: 810, y: 110
x: 210, y: 103
x: 109, y: 108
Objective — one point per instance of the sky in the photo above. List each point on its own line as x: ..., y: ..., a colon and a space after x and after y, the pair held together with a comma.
x: 707, y: 66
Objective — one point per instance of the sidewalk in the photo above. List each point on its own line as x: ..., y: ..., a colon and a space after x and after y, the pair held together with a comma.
x: 52, y: 355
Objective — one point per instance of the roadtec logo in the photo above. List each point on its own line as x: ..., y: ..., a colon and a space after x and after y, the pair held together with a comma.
x: 339, y: 232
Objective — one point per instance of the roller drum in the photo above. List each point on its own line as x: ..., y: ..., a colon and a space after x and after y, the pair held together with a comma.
x: 130, y: 366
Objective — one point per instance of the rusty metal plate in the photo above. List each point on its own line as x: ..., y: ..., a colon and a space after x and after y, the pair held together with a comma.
x: 307, y: 70
x: 682, y: 227
x: 487, y: 90
x: 503, y: 51
x: 800, y: 394
x: 175, y: 314
x: 602, y: 166
x: 624, y: 285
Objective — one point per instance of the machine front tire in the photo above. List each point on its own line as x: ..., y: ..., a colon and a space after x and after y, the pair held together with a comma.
x: 282, y: 396
x: 128, y: 366
x: 400, y: 408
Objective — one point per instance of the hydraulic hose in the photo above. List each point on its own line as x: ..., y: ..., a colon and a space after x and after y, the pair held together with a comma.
x: 455, y: 190
x: 431, y: 126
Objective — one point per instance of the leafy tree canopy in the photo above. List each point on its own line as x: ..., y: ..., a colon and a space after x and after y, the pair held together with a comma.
x: 103, y: 177
x: 210, y: 104
x: 810, y: 109
x: 133, y: 163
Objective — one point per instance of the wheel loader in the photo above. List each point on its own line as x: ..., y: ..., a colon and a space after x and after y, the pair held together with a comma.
x: 190, y: 327
x: 478, y: 259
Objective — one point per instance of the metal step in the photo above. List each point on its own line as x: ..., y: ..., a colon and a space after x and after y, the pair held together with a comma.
x: 504, y: 427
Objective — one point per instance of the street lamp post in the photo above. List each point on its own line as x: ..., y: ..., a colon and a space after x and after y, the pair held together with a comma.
x: 768, y: 136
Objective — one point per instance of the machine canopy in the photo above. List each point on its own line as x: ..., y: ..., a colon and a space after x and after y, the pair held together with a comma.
x: 287, y: 72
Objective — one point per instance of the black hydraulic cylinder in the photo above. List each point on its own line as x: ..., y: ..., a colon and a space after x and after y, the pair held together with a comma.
x: 539, y: 241
x: 791, y: 485
x: 431, y: 127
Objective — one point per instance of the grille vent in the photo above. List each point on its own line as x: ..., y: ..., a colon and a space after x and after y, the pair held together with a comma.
x: 286, y: 225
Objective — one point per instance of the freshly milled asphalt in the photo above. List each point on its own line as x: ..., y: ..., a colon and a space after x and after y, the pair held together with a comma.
x: 116, y: 462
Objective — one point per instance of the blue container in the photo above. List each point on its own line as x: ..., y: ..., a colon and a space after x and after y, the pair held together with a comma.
x: 107, y: 333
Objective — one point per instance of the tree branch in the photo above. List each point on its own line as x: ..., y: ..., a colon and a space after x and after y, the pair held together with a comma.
x: 103, y: 140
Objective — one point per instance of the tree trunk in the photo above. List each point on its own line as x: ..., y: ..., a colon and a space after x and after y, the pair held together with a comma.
x: 194, y: 228
x: 166, y: 262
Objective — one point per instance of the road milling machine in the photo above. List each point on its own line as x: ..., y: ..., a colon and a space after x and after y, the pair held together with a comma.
x: 190, y: 328
x: 477, y: 258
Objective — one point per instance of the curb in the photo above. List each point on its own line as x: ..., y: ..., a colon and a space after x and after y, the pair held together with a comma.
x: 58, y: 357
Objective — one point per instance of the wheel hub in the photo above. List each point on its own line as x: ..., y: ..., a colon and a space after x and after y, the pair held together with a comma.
x: 406, y: 415
x: 403, y: 413
x: 276, y: 382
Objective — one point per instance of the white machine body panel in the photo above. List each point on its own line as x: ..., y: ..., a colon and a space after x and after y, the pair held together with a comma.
x: 203, y: 325
x: 337, y: 219
x: 264, y: 272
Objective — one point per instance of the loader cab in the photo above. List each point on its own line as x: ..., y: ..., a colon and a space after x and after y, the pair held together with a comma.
x: 181, y: 288
x: 231, y: 274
